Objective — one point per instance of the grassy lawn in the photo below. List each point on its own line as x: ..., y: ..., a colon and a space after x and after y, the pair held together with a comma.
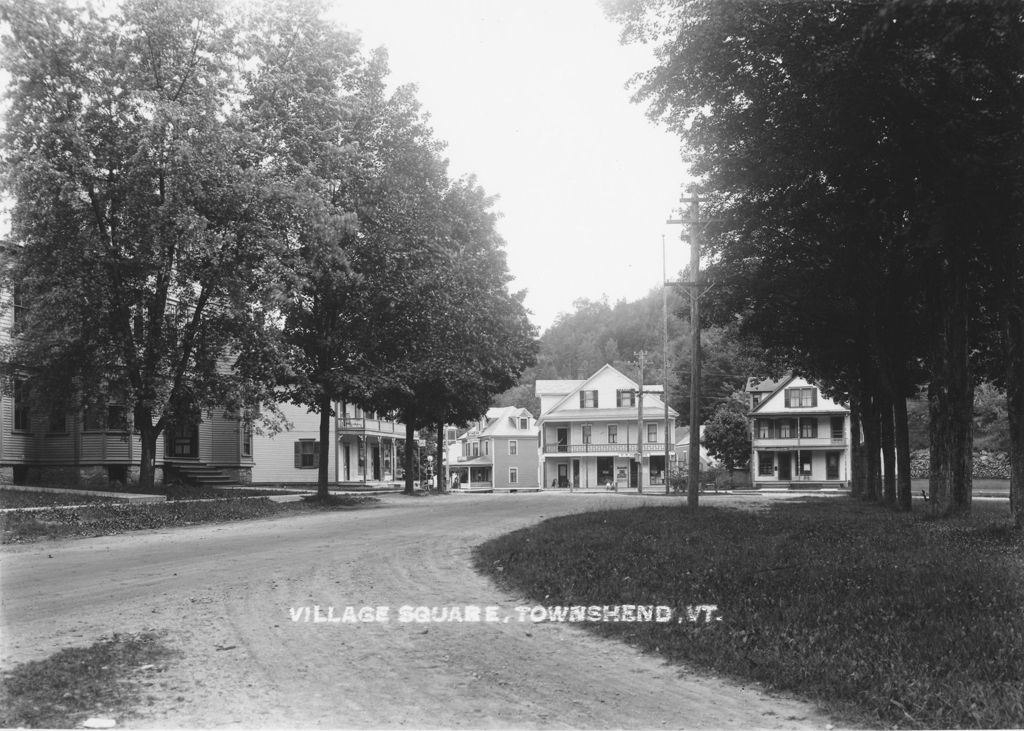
x: 884, y: 619
x: 30, y: 525
x: 106, y: 680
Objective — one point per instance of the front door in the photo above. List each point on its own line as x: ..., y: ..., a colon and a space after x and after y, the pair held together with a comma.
x: 784, y: 466
x: 634, y: 473
x: 563, y: 475
x: 576, y: 473
x: 562, y: 437
x: 785, y: 473
x: 832, y: 465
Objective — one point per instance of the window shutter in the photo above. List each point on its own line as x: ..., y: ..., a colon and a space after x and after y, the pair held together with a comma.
x: 298, y: 455
x: 595, y: 399
x: 316, y: 453
x: 582, y: 400
x: 814, y: 397
x: 789, y: 397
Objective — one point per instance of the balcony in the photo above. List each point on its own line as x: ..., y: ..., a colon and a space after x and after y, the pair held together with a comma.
x: 364, y: 424
x: 648, y: 447
x: 798, y: 442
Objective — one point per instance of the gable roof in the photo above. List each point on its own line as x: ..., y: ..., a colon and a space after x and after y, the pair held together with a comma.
x: 581, y: 385
x: 760, y: 385
x: 501, y: 421
x: 595, y: 374
x: 556, y: 387
x: 778, y: 386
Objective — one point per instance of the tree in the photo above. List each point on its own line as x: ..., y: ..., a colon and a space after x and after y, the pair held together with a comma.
x: 144, y: 245
x: 857, y: 157
x: 727, y: 435
x: 462, y: 337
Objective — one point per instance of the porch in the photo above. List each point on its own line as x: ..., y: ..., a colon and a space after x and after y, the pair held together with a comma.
x: 620, y: 471
x: 799, y: 468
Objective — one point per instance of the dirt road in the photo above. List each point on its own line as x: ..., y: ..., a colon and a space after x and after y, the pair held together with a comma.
x: 231, y: 599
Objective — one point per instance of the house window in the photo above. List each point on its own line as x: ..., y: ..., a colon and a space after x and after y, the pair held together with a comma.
x: 22, y: 415
x: 801, y: 397
x: 588, y: 399
x: 18, y: 305
x: 58, y: 423
x: 513, y: 447
x: 92, y: 418
x: 613, y: 433
x: 764, y: 429
x: 486, y: 446
x: 586, y: 433
x: 524, y: 423
x: 785, y: 429
x: 808, y: 428
x: 765, y: 464
x: 652, y: 432
x: 755, y: 399
x: 513, y: 475
x: 117, y: 417
x: 625, y: 397
x: 476, y: 449
x: 805, y: 463
x: 451, y: 435
x: 307, y: 454
x: 247, y: 439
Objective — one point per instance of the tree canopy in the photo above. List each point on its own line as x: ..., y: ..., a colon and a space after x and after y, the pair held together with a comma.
x: 862, y: 163
x: 232, y: 209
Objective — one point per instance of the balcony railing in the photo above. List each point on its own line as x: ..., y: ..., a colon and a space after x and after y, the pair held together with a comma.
x: 618, y: 448
x: 365, y: 424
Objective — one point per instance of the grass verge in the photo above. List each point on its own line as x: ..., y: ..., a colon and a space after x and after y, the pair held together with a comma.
x: 11, y: 499
x: 884, y: 619
x: 19, y: 526
x: 107, y: 679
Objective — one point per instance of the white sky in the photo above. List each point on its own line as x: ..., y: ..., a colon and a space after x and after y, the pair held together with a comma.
x: 530, y: 96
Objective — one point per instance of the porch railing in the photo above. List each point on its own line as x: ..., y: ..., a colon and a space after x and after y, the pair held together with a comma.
x: 379, y: 425
x: 617, y: 448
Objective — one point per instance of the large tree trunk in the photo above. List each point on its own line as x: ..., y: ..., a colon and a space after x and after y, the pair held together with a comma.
x: 887, y: 436
x: 901, y: 422
x: 951, y: 397
x: 410, y: 445
x: 872, y: 448
x: 147, y: 454
x: 858, y: 469
x: 322, y: 493
x: 1014, y: 343
x: 442, y: 477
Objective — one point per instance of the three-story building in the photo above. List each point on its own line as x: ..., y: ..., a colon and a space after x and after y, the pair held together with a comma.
x: 593, y: 432
x: 799, y: 436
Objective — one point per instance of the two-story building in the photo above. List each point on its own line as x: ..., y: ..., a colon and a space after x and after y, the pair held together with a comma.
x: 594, y: 434
x: 96, y: 446
x: 363, y: 449
x: 498, y: 452
x: 799, y: 436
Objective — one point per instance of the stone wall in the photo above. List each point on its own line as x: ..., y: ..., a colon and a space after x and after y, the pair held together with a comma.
x: 987, y: 465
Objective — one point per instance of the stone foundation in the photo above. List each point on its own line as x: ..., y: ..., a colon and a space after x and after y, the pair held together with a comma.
x: 239, y: 475
x: 92, y: 477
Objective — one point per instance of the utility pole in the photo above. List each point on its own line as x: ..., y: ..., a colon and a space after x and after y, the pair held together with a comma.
x: 640, y: 428
x: 664, y: 377
x: 692, y: 219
